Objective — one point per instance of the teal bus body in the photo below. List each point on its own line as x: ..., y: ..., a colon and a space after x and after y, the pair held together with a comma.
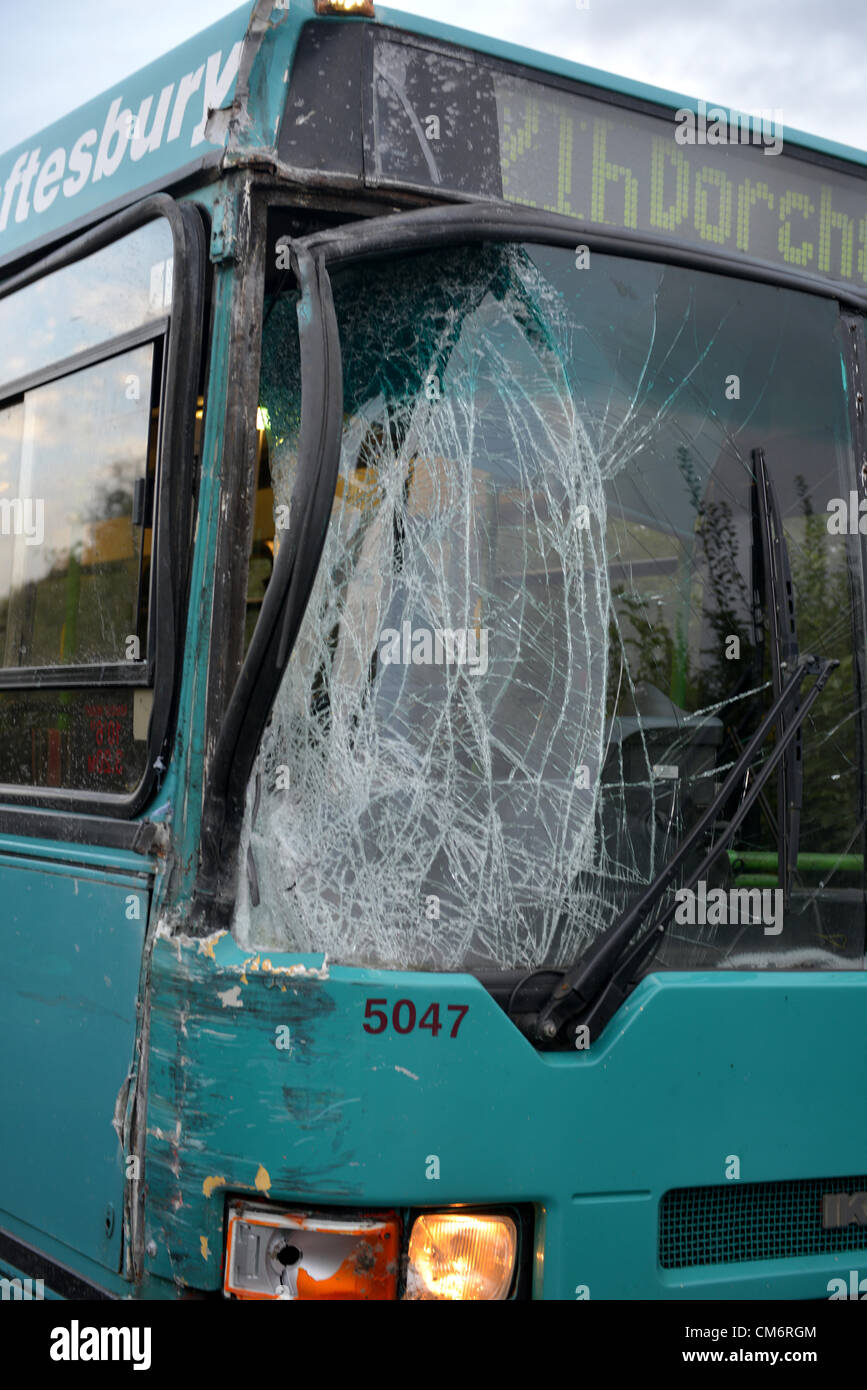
x: 593, y: 1141
x: 209, y: 65
x: 127, y: 1035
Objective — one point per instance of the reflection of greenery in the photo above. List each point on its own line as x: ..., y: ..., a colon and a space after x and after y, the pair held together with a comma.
x: 77, y: 611
x: 726, y: 608
x: 823, y: 605
x: 726, y: 602
x: 650, y: 639
x: 711, y: 585
x: 113, y: 496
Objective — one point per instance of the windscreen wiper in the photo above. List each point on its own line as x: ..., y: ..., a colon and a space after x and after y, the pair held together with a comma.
x: 780, y: 604
x: 592, y: 991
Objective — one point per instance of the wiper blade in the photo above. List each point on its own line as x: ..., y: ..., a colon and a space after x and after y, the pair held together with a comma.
x: 780, y: 604
x: 591, y: 992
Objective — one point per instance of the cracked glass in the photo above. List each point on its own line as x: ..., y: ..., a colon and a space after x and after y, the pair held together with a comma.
x: 539, y: 632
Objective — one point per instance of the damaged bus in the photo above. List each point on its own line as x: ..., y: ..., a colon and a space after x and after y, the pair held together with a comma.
x: 432, y: 632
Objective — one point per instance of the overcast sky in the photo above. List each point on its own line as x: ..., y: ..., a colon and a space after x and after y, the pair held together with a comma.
x: 806, y: 57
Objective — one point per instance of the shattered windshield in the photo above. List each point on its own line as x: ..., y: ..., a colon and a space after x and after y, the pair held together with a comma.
x: 538, y: 636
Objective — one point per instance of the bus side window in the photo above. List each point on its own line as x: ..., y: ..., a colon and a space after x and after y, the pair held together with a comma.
x: 78, y: 475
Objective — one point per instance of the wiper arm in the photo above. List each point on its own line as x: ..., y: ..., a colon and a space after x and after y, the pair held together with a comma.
x: 591, y: 992
x: 779, y: 601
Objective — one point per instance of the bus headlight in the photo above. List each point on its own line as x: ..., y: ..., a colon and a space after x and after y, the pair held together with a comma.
x: 457, y: 1255
x: 273, y: 1254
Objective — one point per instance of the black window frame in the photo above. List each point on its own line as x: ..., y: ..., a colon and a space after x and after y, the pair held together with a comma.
x: 177, y: 336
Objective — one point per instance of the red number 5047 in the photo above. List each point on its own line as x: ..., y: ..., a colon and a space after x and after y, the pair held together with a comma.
x: 403, y: 1017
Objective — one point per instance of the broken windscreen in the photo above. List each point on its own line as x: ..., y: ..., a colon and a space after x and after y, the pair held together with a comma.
x: 538, y: 636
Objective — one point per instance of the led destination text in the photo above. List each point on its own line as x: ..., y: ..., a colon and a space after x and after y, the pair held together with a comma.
x: 621, y: 169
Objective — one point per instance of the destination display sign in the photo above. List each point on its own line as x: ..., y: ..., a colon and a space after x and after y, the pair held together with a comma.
x: 710, y: 178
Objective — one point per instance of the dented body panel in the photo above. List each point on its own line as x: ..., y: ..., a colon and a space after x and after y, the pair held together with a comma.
x: 344, y: 1118
x: 73, y: 934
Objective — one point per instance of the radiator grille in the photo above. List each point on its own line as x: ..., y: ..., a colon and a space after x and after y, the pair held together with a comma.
x: 753, y: 1221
